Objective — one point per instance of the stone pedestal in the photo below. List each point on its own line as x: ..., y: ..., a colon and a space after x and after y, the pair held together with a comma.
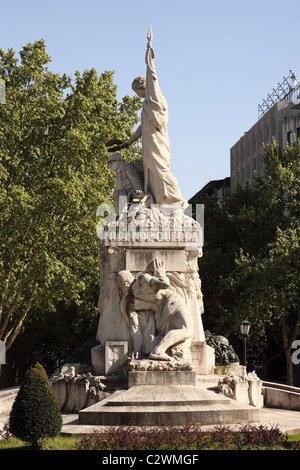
x: 161, y: 405
x: 240, y: 392
x: 256, y: 397
x: 110, y: 358
x: 115, y: 357
x: 157, y: 378
x: 181, y: 266
x: 203, y: 358
x: 180, y: 255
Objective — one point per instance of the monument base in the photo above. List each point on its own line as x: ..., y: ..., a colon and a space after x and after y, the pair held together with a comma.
x: 166, y: 397
x: 164, y: 392
x: 109, y: 358
x: 157, y: 378
x: 159, y: 405
x: 203, y: 358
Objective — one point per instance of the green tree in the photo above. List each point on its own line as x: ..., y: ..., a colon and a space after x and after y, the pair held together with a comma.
x: 236, y: 223
x: 35, y: 413
x: 268, y: 279
x: 53, y: 176
x: 253, y: 240
x: 269, y: 292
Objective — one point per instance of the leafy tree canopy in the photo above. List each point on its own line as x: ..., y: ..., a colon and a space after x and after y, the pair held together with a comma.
x: 53, y: 176
x: 251, y: 262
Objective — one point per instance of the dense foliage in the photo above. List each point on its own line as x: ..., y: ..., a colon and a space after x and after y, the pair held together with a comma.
x: 251, y: 262
x: 53, y: 176
x: 35, y: 414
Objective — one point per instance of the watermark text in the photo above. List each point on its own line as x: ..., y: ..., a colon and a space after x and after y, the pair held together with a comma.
x: 140, y: 223
x: 2, y: 352
x: 296, y: 354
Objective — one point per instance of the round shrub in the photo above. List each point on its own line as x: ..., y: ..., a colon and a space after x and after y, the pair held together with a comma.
x: 35, y: 413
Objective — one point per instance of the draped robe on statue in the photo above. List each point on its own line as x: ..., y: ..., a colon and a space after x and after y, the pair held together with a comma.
x: 155, y: 141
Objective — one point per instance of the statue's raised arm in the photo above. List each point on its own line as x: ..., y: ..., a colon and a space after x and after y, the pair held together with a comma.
x: 155, y: 105
x: 155, y: 140
x: 158, y: 178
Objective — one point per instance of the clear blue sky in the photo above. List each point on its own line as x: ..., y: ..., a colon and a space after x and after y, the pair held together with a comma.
x: 216, y: 61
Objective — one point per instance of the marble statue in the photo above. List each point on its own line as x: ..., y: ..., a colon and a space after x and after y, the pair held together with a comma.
x: 141, y: 323
x: 150, y: 296
x: 128, y: 179
x: 170, y: 328
x: 158, y: 178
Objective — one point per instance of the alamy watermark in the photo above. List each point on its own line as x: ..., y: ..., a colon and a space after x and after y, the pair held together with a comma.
x: 140, y: 223
x: 296, y: 354
x: 2, y: 92
x: 2, y: 352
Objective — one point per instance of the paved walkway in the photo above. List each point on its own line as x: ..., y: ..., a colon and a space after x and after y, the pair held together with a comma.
x: 287, y: 421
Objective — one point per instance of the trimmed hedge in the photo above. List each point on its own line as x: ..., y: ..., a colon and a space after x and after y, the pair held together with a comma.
x: 35, y: 413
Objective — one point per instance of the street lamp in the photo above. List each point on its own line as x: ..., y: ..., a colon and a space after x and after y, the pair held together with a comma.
x: 244, y: 328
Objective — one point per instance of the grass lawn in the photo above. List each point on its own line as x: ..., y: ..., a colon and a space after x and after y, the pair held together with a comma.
x: 68, y: 442
x: 58, y: 443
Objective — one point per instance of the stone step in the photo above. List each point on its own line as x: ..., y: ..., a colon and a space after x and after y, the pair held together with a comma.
x: 123, y: 408
x: 174, y: 395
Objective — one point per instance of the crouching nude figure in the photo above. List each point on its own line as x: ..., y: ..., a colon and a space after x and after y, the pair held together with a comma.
x: 173, y: 323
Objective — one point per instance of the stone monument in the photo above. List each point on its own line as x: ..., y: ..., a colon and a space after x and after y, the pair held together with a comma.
x: 150, y: 288
x: 150, y: 328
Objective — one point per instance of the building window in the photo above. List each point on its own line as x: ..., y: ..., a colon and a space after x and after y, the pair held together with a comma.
x: 298, y: 132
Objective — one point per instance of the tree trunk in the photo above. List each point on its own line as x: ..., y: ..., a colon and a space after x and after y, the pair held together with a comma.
x: 289, y: 367
x: 35, y: 445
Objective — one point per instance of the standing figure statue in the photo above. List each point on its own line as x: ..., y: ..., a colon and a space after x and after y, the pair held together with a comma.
x: 158, y: 178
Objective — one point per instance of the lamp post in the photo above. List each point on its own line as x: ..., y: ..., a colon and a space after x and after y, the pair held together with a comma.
x: 244, y: 328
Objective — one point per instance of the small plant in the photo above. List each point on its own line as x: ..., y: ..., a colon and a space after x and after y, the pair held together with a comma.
x: 35, y: 413
x: 5, y: 432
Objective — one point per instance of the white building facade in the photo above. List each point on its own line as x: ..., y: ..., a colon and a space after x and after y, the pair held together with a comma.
x: 279, y: 120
